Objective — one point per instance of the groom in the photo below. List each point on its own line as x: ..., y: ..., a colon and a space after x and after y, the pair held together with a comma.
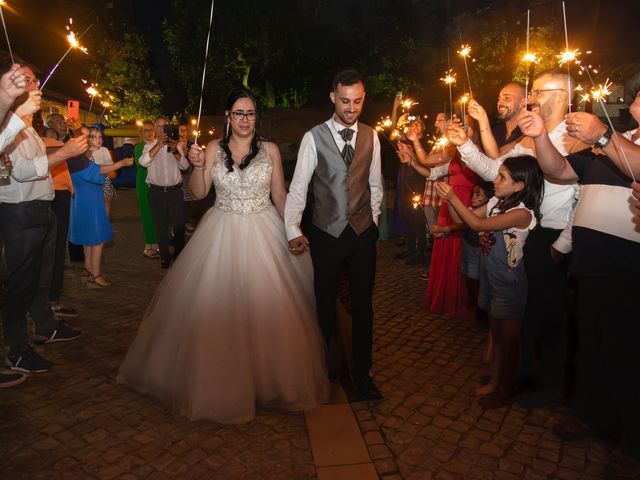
x: 340, y: 161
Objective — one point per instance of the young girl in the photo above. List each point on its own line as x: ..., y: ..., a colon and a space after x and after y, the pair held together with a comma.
x: 101, y: 156
x: 89, y: 223
x: 506, y: 221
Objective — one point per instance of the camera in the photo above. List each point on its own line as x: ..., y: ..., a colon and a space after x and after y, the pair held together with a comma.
x: 172, y: 132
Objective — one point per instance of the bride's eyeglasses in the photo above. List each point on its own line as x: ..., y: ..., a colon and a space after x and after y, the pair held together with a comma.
x: 240, y: 115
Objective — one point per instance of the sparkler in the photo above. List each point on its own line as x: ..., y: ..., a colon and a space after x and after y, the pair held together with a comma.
x: 529, y: 59
x: 449, y: 79
x: 567, y: 56
x: 599, y: 94
x: 93, y: 92
x: 6, y: 34
x: 74, y: 43
x: 416, y: 200
x: 204, y: 73
x: 463, y: 102
x: 464, y: 52
x: 105, y: 105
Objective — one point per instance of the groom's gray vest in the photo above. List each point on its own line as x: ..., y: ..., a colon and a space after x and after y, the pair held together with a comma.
x: 341, y: 195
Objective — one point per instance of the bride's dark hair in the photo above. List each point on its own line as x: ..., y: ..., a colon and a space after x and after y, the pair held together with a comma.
x: 234, y: 95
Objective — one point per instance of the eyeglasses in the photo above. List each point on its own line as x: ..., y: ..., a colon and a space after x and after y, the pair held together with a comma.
x: 240, y: 115
x: 538, y: 91
x: 33, y: 81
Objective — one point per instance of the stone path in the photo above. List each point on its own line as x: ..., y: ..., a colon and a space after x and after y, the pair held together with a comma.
x: 76, y: 422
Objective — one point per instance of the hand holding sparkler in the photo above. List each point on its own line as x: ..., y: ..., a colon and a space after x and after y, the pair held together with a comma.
x: 531, y: 124
x: 478, y: 113
x: 445, y: 190
x: 585, y: 127
x: 12, y: 84
x: 456, y: 133
x: 30, y: 105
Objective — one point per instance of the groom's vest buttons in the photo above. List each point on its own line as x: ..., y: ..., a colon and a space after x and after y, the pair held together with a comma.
x: 341, y: 193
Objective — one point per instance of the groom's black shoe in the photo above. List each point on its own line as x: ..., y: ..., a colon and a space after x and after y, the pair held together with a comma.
x: 366, y: 389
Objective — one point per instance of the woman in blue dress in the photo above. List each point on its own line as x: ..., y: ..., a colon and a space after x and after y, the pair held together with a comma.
x: 89, y: 223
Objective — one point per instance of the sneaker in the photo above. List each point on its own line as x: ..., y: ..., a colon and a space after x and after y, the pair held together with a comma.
x: 60, y: 310
x: 424, y: 276
x: 11, y: 379
x: 28, y: 362
x: 63, y: 333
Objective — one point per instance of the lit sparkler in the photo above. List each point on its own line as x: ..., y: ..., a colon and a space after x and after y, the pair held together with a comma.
x: 568, y: 57
x: 464, y: 52
x: 416, y: 200
x: 74, y: 43
x: 449, y: 79
x: 463, y: 102
x: 598, y: 95
x: 6, y: 34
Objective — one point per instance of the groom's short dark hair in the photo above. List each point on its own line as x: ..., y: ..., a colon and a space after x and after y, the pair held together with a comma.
x: 348, y: 76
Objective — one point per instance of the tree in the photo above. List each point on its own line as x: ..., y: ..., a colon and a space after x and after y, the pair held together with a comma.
x: 121, y: 68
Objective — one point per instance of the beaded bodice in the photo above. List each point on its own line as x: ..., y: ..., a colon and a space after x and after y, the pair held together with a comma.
x: 243, y: 191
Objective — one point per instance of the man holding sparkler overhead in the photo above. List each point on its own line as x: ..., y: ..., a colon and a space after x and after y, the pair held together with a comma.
x: 606, y: 265
x: 28, y: 226
x: 545, y: 322
x: 340, y: 159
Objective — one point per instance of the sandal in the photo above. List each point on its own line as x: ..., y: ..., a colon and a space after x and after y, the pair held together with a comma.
x: 151, y: 253
x: 98, y: 282
x: 86, y: 276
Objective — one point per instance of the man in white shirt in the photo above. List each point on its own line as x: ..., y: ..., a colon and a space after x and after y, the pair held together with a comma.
x: 27, y: 224
x: 165, y: 190
x: 340, y: 159
x: 545, y: 324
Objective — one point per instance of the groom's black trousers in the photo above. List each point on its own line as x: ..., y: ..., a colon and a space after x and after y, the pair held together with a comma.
x: 358, y: 254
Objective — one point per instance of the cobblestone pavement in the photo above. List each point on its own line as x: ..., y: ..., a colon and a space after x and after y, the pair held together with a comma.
x: 76, y: 422
x: 429, y: 427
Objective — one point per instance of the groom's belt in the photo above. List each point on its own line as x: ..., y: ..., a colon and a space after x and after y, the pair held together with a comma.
x: 165, y: 189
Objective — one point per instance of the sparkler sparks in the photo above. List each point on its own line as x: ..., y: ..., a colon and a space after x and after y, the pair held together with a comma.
x: 74, y: 43
x: 449, y: 77
x: 599, y: 94
x: 530, y: 57
x: 568, y: 57
x: 465, y: 51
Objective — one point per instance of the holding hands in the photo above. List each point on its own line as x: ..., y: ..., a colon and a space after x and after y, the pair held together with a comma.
x: 298, y: 245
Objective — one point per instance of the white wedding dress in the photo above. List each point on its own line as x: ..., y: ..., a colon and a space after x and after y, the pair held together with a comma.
x: 233, y: 324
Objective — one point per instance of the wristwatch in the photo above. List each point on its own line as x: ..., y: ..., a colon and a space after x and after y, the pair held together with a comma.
x: 604, y: 139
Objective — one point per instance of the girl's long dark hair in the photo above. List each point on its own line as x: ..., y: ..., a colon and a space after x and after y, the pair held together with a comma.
x: 234, y: 95
x: 525, y: 169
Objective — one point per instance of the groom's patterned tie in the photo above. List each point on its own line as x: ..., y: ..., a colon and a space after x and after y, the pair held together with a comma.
x: 347, y: 152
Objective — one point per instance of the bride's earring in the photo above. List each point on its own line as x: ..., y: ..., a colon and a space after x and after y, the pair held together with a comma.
x: 226, y: 133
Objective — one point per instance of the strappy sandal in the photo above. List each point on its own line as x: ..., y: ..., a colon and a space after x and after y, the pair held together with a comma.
x: 86, y: 276
x: 98, y: 282
x: 151, y: 253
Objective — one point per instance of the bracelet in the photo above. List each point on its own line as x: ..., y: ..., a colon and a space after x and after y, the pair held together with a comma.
x: 484, y: 130
x: 198, y: 168
x: 418, y: 149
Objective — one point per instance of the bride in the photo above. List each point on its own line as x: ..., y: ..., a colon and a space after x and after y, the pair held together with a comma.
x: 232, y: 326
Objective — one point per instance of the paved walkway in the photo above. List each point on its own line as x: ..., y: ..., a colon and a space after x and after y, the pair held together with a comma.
x: 75, y: 422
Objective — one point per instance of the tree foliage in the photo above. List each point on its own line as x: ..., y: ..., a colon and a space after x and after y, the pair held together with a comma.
x: 121, y: 68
